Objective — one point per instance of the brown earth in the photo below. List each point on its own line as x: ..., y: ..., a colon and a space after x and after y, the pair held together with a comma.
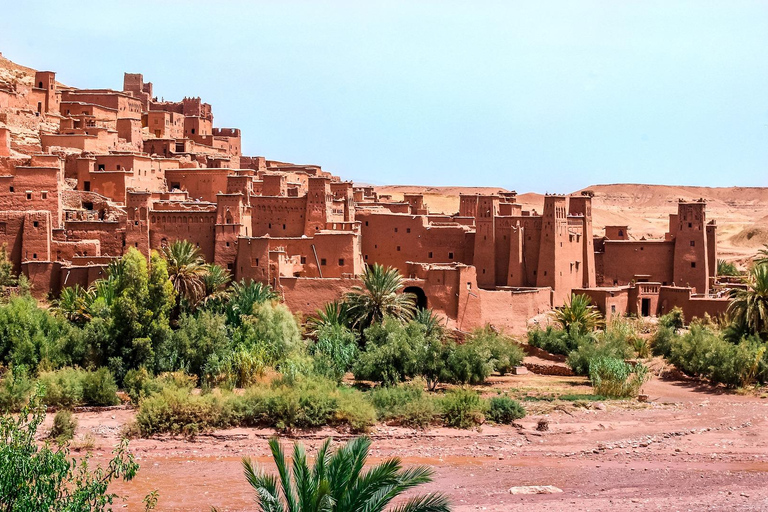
x: 690, y: 447
x: 741, y: 212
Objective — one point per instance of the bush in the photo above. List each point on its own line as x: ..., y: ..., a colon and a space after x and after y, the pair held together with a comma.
x: 198, y: 339
x: 392, y: 352
x: 140, y: 383
x: 15, y: 389
x: 64, y: 426
x: 406, y: 404
x: 557, y: 341
x: 614, y: 378
x: 502, y: 409
x: 178, y: 411
x: 662, y: 340
x: 462, y: 408
x: 354, y: 410
x: 272, y: 329
x: 70, y: 387
x: 99, y: 388
x: 610, y: 344
x: 470, y: 363
x: 505, y: 353
x: 673, y: 320
x: 703, y: 352
x: 334, y: 352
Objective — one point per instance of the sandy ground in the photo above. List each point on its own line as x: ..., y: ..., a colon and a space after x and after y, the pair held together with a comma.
x: 689, y: 448
x: 741, y: 213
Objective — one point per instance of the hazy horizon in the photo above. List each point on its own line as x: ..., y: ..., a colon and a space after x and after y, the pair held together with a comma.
x: 531, y: 96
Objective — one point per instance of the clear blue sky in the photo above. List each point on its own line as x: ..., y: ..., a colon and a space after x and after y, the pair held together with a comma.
x: 536, y: 96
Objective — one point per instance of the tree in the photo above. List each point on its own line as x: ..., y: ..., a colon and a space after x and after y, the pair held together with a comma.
x: 379, y: 297
x: 726, y: 268
x: 215, y: 281
x: 7, y: 277
x: 244, y: 296
x: 578, y: 314
x: 337, y: 482
x: 431, y: 321
x: 334, y: 314
x: 34, y: 477
x: 74, y: 304
x: 749, y: 306
x: 186, y: 269
x: 762, y: 256
x: 270, y: 330
x: 334, y: 351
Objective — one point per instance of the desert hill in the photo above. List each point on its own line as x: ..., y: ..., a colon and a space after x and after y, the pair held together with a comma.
x: 741, y: 212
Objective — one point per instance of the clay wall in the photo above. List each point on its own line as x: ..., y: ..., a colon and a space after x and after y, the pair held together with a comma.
x: 611, y: 302
x: 125, y: 105
x: 110, y: 234
x: 32, y: 188
x: 278, y: 216
x: 395, y: 239
x: 623, y: 260
x: 5, y: 141
x: 66, y: 250
x: 693, y: 307
x: 198, y: 227
x: 691, y: 265
x: 201, y: 184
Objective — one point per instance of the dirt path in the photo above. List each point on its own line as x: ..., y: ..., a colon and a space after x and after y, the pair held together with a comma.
x: 688, y: 449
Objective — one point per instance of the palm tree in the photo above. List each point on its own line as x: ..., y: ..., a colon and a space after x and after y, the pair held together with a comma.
x: 243, y: 296
x: 74, y: 303
x: 186, y: 268
x: 430, y: 320
x: 215, y: 281
x: 379, y: 297
x: 337, y: 482
x: 749, y: 305
x: 578, y: 314
x: 334, y: 313
x: 762, y: 256
x: 726, y: 268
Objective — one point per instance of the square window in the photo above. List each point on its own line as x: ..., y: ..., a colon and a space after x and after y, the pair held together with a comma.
x: 35, y: 223
x: 395, y: 230
x: 303, y: 260
x: 44, y: 195
x: 690, y: 224
x: 322, y: 261
x: 10, y: 189
x: 450, y: 255
x: 693, y: 243
x: 693, y: 264
x: 29, y: 195
x: 430, y: 254
x: 408, y: 230
x: 366, y: 256
x: 227, y: 244
x: 341, y: 262
x: 398, y: 248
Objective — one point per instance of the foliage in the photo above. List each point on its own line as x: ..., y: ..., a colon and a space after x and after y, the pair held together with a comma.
x: 749, y: 306
x: 7, y: 277
x: 762, y: 256
x: 334, y: 351
x: 70, y: 387
x: 15, y: 389
x: 556, y: 341
x: 139, y: 383
x: 726, y: 268
x: 186, y: 268
x: 379, y: 297
x: 74, y: 304
x: 406, y: 404
x: 703, y: 353
x: 462, y: 408
x: 502, y: 409
x: 270, y: 328
x: 469, y: 363
x: 673, y: 320
x: 333, y: 314
x: 391, y: 353
x: 504, y: 351
x: 244, y: 295
x: 34, y: 477
x: 578, y: 315
x: 64, y: 426
x: 431, y: 321
x: 337, y: 482
x: 198, y: 339
x: 615, y: 378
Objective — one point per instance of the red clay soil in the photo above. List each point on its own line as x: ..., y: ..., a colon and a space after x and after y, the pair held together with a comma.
x: 689, y: 448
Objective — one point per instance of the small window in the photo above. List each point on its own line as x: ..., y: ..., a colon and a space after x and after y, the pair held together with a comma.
x: 341, y: 262
x: 430, y: 254
x: 450, y: 255
x: 34, y: 255
x: 690, y: 224
x: 693, y: 264
x: 283, y: 226
x: 303, y: 260
x: 87, y: 186
x: 613, y: 308
x: 44, y: 195
x: 227, y: 244
x: 366, y: 257
x: 322, y: 262
x: 35, y: 223
x: 10, y: 189
x: 29, y: 195
x: 693, y: 243
x: 407, y: 230
x: 102, y: 167
x: 395, y: 230
x: 398, y: 248
x: 229, y: 266
x: 366, y: 223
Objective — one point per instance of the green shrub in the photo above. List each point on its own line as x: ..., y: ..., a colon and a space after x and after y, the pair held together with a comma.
x: 662, y: 340
x: 15, y: 389
x: 272, y: 329
x: 64, y: 426
x: 673, y: 320
x: 391, y: 353
x: 354, y: 410
x: 606, y: 344
x: 140, y: 383
x: 63, y: 388
x: 178, y: 411
x: 506, y: 354
x: 554, y: 341
x: 615, y: 378
x: 502, y: 409
x: 469, y: 363
x: 406, y: 404
x: 99, y: 387
x: 198, y: 339
x: 334, y: 352
x: 462, y: 408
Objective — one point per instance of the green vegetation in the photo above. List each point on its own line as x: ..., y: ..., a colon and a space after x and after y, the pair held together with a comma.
x: 615, y: 378
x: 578, y: 315
x: 502, y: 409
x: 726, y: 268
x: 378, y: 298
x: 338, y: 481
x: 38, y: 477
x: 64, y: 425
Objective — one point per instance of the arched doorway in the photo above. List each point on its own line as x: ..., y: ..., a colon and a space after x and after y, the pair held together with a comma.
x: 421, y: 297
